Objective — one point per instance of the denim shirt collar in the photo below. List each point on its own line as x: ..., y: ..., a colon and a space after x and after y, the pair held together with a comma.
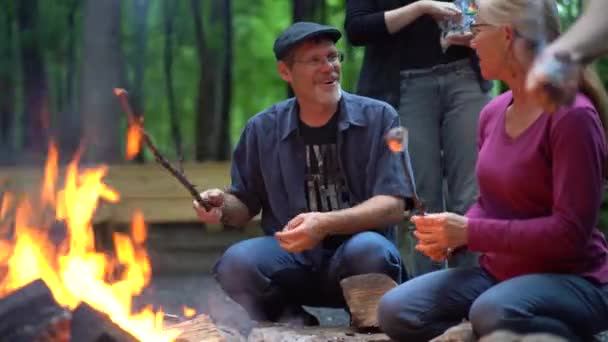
x: 289, y: 120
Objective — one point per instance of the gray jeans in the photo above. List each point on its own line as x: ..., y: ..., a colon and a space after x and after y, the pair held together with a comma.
x: 440, y: 106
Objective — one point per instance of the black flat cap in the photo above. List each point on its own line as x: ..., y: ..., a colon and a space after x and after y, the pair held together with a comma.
x: 301, y: 31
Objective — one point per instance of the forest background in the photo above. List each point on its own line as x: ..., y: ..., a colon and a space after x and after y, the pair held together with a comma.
x: 196, y: 70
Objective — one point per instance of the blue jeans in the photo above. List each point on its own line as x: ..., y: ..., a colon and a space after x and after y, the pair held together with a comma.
x: 268, y: 281
x: 561, y: 304
x: 440, y: 106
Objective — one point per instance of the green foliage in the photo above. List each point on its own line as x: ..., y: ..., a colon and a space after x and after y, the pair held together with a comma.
x: 256, y: 83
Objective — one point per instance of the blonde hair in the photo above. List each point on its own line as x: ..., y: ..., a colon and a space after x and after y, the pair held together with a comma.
x: 538, y: 21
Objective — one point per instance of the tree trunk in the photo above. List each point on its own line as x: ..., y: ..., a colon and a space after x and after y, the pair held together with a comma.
x: 101, y: 73
x: 207, y: 91
x: 71, y: 57
x: 36, y: 116
x: 308, y: 10
x: 223, y: 152
x: 69, y: 134
x: 169, y: 10
x: 139, y: 62
x: 7, y: 86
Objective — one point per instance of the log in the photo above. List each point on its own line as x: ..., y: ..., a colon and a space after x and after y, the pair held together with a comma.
x: 312, y: 334
x: 506, y: 336
x: 462, y: 332
x: 31, y: 314
x: 199, y: 329
x: 362, y: 294
x: 90, y: 325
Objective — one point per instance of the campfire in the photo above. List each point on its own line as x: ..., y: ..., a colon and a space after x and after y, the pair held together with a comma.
x: 85, y: 284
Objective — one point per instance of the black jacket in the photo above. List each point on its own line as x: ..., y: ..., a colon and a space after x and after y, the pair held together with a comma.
x: 415, y: 46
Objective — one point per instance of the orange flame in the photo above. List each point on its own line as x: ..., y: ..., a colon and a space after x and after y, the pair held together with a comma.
x: 189, y: 312
x: 74, y: 271
x: 50, y: 176
x: 395, y: 146
x: 134, y: 138
x: 7, y: 200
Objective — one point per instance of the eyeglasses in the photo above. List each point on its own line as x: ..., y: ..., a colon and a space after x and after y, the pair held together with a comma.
x: 316, y: 62
x: 476, y: 28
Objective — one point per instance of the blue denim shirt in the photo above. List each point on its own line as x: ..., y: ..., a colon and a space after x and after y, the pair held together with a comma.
x: 268, y: 163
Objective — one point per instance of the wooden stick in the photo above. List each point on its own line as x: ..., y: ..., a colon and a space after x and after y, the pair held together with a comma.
x: 133, y: 120
x: 397, y: 140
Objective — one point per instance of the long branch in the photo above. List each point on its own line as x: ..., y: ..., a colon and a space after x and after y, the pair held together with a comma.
x: 126, y: 106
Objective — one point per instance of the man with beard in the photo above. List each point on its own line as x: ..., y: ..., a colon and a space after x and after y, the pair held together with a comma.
x: 328, y: 188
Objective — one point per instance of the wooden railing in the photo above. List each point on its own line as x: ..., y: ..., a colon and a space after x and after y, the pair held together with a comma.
x: 146, y: 187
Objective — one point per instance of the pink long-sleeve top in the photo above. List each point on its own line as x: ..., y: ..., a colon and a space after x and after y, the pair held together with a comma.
x: 540, y: 194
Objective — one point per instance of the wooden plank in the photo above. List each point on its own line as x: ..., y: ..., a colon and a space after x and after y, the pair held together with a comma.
x: 137, y: 180
x: 153, y: 209
x: 147, y: 187
x: 151, y: 180
x: 195, y: 238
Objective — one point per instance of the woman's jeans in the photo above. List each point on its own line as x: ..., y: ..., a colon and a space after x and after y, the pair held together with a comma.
x: 424, y: 307
x: 440, y: 107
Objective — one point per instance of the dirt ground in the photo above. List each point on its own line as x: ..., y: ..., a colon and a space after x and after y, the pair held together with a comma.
x: 202, y: 293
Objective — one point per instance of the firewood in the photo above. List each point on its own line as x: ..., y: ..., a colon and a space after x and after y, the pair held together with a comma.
x: 462, y: 332
x: 283, y: 333
x: 507, y: 336
x: 31, y: 314
x: 199, y: 329
x: 362, y: 294
x: 90, y: 325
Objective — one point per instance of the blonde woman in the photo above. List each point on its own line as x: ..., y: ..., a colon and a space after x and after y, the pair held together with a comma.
x: 544, y: 263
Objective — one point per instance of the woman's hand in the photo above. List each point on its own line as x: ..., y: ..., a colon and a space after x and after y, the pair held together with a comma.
x: 440, y: 10
x: 463, y: 39
x: 439, y: 233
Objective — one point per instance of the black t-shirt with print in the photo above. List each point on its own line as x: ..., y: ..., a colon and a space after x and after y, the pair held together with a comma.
x: 324, y: 181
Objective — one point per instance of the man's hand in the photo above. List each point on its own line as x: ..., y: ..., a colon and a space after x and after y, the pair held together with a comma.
x: 439, y: 233
x: 215, y: 197
x: 553, y: 80
x: 303, y: 232
x: 440, y: 10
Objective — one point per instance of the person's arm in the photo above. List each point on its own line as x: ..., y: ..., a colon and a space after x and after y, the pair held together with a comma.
x: 389, y: 191
x: 307, y: 230
x: 387, y: 183
x: 364, y: 24
x: 401, y: 17
x: 577, y: 158
x: 226, y: 208
x: 586, y: 38
x: 241, y: 202
x: 554, y: 77
x: 378, y: 211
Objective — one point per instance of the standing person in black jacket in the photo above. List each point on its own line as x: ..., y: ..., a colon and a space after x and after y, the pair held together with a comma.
x: 438, y: 93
